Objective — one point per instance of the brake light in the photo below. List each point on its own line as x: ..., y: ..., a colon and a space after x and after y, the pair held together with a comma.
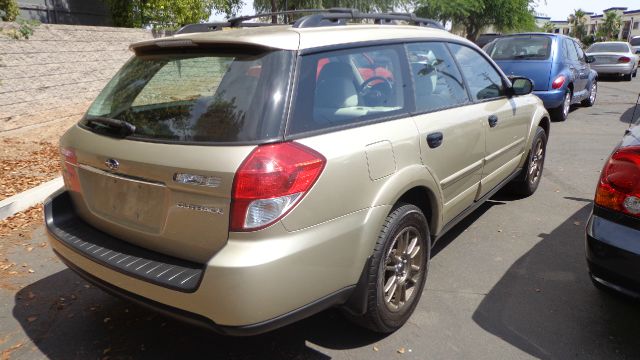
x: 624, y: 59
x: 270, y: 181
x: 69, y: 166
x: 558, y: 82
x: 619, y: 185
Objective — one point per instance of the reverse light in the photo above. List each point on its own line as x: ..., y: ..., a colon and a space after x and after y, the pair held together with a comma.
x: 558, y: 82
x: 69, y: 169
x: 270, y: 182
x: 619, y: 185
x: 624, y: 59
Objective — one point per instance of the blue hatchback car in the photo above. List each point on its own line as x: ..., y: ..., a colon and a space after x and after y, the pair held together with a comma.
x: 555, y: 63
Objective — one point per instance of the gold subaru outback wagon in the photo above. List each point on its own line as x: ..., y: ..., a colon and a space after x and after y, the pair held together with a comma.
x: 244, y: 179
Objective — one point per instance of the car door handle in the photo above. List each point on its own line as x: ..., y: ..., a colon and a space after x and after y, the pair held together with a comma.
x: 435, y: 139
x: 493, y: 121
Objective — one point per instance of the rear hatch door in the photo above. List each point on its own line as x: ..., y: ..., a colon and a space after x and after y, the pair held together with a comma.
x: 536, y: 70
x: 164, y: 181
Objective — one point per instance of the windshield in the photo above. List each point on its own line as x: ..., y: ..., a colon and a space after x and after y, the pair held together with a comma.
x: 608, y: 47
x: 202, y: 97
x: 520, y: 48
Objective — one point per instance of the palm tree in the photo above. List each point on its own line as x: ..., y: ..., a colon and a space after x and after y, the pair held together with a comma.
x: 577, y: 22
x: 548, y: 27
x: 610, y: 26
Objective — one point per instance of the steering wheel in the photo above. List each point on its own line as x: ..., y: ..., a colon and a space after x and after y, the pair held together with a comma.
x: 375, y: 94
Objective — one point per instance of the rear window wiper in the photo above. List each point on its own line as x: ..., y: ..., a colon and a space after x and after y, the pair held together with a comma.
x: 115, y: 126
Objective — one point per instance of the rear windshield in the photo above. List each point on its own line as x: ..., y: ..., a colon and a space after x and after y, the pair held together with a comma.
x: 520, y: 48
x: 204, y: 97
x: 635, y: 41
x: 608, y: 47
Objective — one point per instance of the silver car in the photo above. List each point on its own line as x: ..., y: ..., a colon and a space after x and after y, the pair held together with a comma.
x: 635, y: 44
x: 614, y: 58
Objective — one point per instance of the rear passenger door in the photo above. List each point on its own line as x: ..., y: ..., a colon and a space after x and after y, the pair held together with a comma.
x: 571, y: 59
x: 505, y: 120
x: 452, y: 145
x: 583, y: 70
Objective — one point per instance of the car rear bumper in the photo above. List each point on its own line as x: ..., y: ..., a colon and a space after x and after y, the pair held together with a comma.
x: 248, y: 287
x: 610, y: 69
x: 552, y: 98
x: 613, y: 255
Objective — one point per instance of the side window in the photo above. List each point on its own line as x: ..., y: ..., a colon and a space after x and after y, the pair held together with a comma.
x: 579, y: 51
x: 483, y: 79
x: 571, y: 50
x: 436, y: 78
x: 348, y: 86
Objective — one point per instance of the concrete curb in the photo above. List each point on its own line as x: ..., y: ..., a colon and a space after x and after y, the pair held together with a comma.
x: 27, y: 199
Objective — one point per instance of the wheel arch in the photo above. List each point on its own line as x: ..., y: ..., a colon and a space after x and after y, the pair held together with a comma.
x: 413, y: 185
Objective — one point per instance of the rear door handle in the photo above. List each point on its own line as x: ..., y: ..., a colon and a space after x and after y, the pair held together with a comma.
x: 493, y: 121
x: 435, y: 139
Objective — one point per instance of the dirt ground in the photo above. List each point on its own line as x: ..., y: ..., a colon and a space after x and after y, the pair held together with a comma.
x: 30, y: 157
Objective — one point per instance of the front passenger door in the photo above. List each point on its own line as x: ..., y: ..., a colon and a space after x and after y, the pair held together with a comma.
x: 504, y: 119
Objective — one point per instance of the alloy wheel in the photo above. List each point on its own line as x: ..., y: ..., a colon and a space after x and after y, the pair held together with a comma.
x: 403, y: 269
x: 537, y: 158
x: 566, y: 105
x: 594, y: 90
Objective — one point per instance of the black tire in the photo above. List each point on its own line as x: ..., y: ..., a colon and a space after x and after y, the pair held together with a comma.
x: 561, y: 113
x: 627, y: 77
x: 591, y: 100
x: 635, y: 72
x: 381, y: 316
x: 527, y: 183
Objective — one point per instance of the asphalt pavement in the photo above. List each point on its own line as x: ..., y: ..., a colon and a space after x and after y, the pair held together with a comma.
x: 509, y: 282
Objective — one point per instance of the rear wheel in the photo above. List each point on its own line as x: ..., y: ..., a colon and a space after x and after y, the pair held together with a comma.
x: 398, y: 270
x: 592, y: 94
x: 562, y: 112
x: 627, y: 77
x: 527, y: 184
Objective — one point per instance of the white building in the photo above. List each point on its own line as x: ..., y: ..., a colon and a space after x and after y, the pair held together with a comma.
x: 629, y: 27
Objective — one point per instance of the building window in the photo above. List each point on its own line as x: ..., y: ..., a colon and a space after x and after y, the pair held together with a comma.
x: 636, y: 25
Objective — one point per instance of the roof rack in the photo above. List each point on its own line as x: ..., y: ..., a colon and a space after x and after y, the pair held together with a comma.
x: 341, y: 18
x: 319, y: 17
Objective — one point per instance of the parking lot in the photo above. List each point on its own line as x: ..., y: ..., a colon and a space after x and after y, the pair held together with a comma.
x: 509, y: 282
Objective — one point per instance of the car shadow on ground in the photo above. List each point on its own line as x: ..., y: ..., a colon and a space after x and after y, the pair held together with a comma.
x: 532, y: 306
x: 68, y: 319
x: 65, y: 318
x: 631, y: 115
x: 613, y: 78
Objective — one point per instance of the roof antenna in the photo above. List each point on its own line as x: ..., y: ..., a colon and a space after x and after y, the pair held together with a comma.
x: 633, y: 116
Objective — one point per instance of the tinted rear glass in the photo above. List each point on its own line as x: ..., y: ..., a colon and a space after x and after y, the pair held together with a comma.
x: 205, y: 97
x: 346, y: 87
x: 608, y: 47
x: 635, y: 41
x: 520, y: 48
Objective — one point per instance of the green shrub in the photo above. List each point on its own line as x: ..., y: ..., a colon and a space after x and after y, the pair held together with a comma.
x: 10, y: 9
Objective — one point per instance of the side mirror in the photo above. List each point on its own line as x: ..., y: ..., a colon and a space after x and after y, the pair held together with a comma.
x: 521, y: 85
x: 590, y: 59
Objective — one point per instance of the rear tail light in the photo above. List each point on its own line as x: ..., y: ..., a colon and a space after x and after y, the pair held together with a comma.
x: 624, y: 59
x: 69, y: 169
x: 270, y: 182
x: 619, y: 185
x: 558, y: 82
